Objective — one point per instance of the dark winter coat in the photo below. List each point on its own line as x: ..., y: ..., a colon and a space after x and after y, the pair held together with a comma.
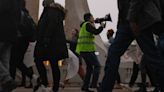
x: 51, y: 41
x: 9, y: 19
x: 145, y: 12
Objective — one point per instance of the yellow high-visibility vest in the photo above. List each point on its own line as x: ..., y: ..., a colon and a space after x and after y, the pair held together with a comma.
x: 85, y: 41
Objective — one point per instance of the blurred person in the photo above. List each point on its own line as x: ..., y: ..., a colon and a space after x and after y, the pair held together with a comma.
x: 141, y: 64
x: 51, y: 42
x: 110, y: 37
x: 26, y: 31
x: 125, y: 35
x: 110, y: 33
x: 86, y: 48
x: 73, y: 43
x: 151, y: 16
x: 10, y: 12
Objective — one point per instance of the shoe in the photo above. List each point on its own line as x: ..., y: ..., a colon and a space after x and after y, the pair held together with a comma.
x: 9, y: 85
x: 42, y: 88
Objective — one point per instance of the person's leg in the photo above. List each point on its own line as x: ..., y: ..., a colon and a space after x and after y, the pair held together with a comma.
x: 17, y: 54
x: 123, y: 39
x: 143, y: 75
x: 6, y: 81
x: 134, y: 74
x: 96, y: 70
x: 81, y: 69
x: 14, y: 56
x: 161, y: 72
x: 23, y: 81
x: 55, y: 74
x: 147, y: 44
x: 89, y: 70
x: 22, y: 45
x: 118, y: 78
x: 42, y: 71
x: 23, y: 68
x: 153, y: 80
x: 30, y: 69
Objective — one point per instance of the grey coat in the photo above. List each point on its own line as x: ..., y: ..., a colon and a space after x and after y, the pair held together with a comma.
x: 144, y: 12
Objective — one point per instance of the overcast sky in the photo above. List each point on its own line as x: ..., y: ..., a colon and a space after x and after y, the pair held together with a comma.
x: 99, y: 8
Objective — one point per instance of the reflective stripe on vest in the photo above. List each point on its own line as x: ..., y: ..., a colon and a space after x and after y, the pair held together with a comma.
x: 85, y: 40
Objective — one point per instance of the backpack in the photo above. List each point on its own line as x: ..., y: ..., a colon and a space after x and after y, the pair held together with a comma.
x: 27, y: 26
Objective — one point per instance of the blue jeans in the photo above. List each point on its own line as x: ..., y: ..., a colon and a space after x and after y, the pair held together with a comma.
x: 92, y: 69
x: 123, y: 39
x: 4, y: 62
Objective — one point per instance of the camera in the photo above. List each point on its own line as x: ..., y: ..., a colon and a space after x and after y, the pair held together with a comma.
x: 106, y: 18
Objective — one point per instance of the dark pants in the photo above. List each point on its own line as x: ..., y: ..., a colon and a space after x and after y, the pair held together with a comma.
x: 43, y: 73
x: 123, y: 39
x: 118, y: 80
x: 16, y: 60
x: 23, y: 82
x: 134, y: 74
x: 145, y: 69
x: 161, y: 70
x: 92, y: 69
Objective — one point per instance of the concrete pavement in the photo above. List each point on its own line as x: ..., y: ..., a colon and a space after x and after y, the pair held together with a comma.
x: 67, y: 89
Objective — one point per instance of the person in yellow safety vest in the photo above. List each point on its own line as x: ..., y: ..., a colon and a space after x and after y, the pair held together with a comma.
x: 86, y: 48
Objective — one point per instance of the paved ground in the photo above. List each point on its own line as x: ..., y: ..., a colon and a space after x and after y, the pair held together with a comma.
x: 77, y: 89
x: 67, y: 89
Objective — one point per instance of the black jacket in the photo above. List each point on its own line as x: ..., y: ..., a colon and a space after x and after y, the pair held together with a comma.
x: 145, y: 12
x: 51, y: 41
x: 123, y: 7
x: 10, y: 11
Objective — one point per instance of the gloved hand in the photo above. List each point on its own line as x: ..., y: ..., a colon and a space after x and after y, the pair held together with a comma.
x: 103, y: 24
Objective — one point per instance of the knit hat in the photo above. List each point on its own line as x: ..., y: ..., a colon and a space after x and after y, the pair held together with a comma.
x: 47, y: 2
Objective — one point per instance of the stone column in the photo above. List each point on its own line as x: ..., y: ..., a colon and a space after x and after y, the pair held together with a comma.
x: 76, y: 10
x: 33, y: 8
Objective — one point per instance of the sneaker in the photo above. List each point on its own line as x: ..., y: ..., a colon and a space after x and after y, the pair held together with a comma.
x: 9, y: 85
x: 42, y: 88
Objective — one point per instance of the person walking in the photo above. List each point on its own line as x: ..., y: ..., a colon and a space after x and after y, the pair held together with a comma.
x: 124, y: 36
x: 86, y: 48
x: 110, y: 38
x: 10, y: 12
x: 51, y: 42
x: 25, y: 33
